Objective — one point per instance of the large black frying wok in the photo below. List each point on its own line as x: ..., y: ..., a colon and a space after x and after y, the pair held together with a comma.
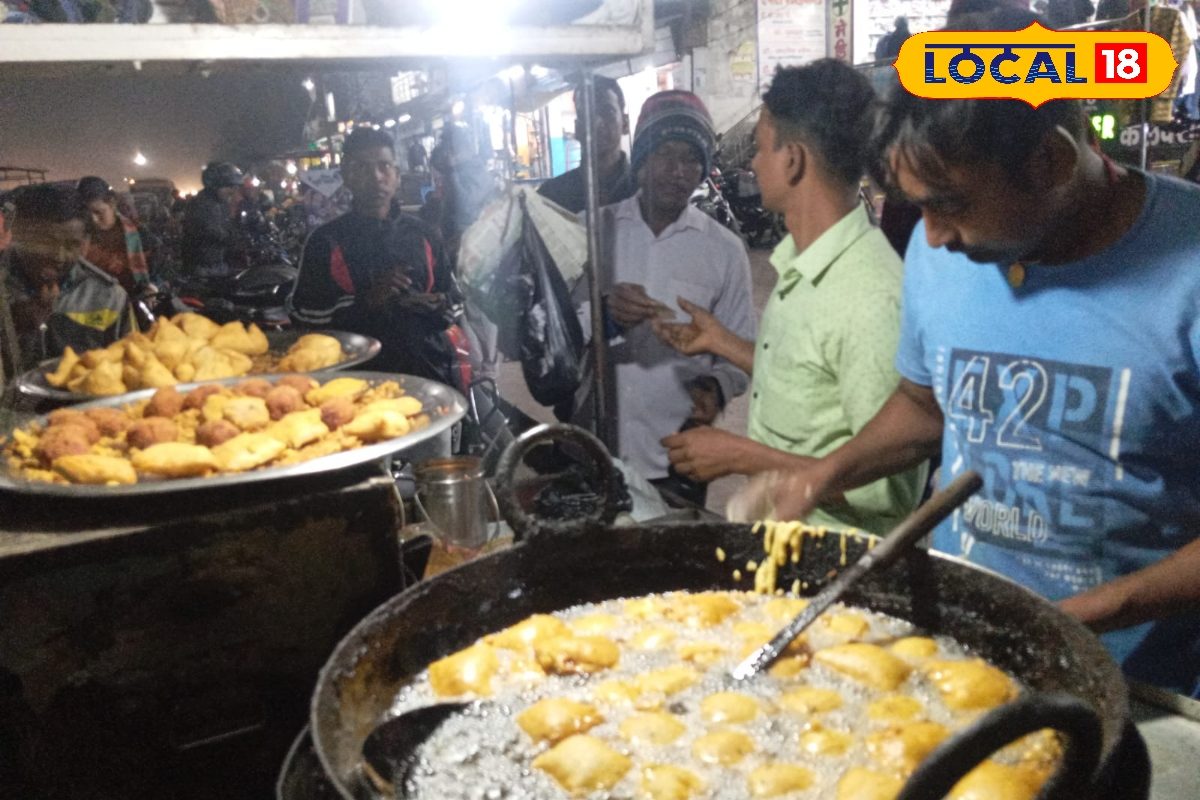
x: 553, y: 568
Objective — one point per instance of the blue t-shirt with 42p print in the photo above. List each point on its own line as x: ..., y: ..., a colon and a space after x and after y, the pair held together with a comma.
x: 1077, y: 396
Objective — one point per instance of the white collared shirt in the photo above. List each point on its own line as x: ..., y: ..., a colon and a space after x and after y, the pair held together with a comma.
x: 695, y: 258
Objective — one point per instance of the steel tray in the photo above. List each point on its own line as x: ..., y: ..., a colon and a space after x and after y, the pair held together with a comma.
x: 358, y: 349
x: 444, y: 406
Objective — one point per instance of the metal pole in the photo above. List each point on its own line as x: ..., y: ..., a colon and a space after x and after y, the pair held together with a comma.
x: 604, y: 412
x: 1147, y: 104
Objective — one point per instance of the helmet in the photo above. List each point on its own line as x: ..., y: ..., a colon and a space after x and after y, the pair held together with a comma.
x: 221, y: 173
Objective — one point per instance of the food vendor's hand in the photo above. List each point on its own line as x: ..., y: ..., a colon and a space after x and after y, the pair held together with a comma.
x: 702, y: 454
x: 703, y: 334
x: 797, y: 492
x: 628, y: 304
x: 421, y: 303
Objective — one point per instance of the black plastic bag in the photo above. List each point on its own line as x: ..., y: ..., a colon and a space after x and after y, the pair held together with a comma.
x: 551, y: 338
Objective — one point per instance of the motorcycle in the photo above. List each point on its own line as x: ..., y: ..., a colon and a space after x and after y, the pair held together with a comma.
x: 709, y: 199
x: 759, y: 227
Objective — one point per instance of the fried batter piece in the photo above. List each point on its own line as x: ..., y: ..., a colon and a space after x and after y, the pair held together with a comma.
x: 248, y: 413
x: 337, y: 412
x: 174, y: 460
x: 65, y: 417
x: 110, y: 421
x: 196, y: 397
x: 301, y: 383
x: 92, y: 469
x: 253, y: 387
x: 247, y: 451
x: 283, y: 400
x: 338, y: 387
x: 215, y: 432
x: 65, y: 440
x: 166, y: 402
x: 148, y: 432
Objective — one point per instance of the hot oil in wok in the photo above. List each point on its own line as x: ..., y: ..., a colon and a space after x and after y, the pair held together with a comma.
x: 675, y: 652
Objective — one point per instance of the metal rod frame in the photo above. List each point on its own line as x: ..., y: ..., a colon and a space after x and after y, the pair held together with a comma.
x: 604, y: 411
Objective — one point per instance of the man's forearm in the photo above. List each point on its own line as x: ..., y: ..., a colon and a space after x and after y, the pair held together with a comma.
x: 1160, y: 590
x: 754, y: 457
x: 737, y: 351
x: 906, y: 431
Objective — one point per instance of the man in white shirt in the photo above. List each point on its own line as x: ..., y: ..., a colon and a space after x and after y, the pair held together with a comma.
x: 663, y: 249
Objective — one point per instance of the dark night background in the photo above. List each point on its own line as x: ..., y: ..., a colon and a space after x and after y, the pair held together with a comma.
x: 76, y: 125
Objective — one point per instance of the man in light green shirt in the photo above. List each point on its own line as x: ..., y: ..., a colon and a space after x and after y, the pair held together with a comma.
x: 823, y: 363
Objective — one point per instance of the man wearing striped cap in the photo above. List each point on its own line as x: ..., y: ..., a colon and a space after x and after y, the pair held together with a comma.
x: 663, y: 250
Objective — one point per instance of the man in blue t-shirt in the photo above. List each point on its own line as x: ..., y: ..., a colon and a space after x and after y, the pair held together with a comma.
x: 1050, y: 340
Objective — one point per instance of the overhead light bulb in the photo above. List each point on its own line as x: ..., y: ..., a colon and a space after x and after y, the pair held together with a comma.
x: 458, y: 108
x: 291, y: 168
x: 308, y: 84
x: 403, y: 118
x: 389, y: 123
x: 140, y: 159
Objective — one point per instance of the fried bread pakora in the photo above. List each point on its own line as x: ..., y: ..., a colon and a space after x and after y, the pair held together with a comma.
x: 211, y: 430
x: 184, y: 348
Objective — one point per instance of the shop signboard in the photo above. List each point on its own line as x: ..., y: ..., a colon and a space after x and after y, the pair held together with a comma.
x: 840, y: 34
x: 790, y: 32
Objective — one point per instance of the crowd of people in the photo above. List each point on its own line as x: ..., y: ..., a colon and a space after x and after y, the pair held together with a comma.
x: 1041, y: 327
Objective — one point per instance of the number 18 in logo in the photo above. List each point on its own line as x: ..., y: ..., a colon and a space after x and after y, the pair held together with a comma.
x: 1120, y: 63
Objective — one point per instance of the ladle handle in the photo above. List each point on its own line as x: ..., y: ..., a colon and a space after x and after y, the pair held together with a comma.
x: 1002, y: 726
x: 525, y: 524
x: 902, y: 537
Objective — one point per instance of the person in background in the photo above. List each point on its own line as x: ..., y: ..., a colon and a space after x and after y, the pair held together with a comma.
x: 56, y: 297
x: 1049, y: 341
x: 1065, y: 13
x: 418, y: 158
x: 114, y: 244
x: 889, y: 46
x: 208, y: 230
x: 666, y: 250
x: 616, y: 180
x: 380, y: 273
x: 822, y: 365
x: 464, y: 187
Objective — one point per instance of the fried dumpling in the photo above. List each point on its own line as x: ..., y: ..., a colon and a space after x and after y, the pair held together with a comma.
x: 991, y: 780
x: 903, y: 748
x: 723, y: 747
x: 772, y: 780
x: 196, y: 326
x: 338, y: 387
x: 174, y: 460
x: 556, y: 718
x: 865, y: 663
x: 582, y: 764
x: 525, y: 633
x: 860, y: 783
x: 464, y: 672
x: 972, y: 684
x: 300, y: 428
x: 566, y: 655
x: 98, y: 470
x: 669, y: 782
x: 733, y: 707
x: 248, y: 413
x: 651, y: 728
x: 58, y: 378
x: 247, y: 451
x: 105, y: 379
x: 811, y: 700
x: 825, y: 742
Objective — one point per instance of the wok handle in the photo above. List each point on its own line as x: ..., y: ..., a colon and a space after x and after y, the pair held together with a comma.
x: 947, y: 765
x: 525, y: 524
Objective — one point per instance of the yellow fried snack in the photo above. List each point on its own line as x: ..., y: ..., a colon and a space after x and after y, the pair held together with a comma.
x: 860, y: 783
x: 703, y: 609
x: 865, y: 663
x: 811, y: 700
x: 915, y: 648
x: 248, y: 413
x: 338, y: 387
x: 731, y: 707
x: 776, y: 779
x: 464, y: 672
x: 247, y: 451
x: 973, y: 684
x: 167, y: 331
x: 583, y: 763
x: 894, y: 709
x: 408, y: 406
x: 376, y: 426
x: 235, y: 336
x: 651, y: 728
x: 667, y: 681
x: 312, y: 352
x: 196, y: 326
x: 92, y: 469
x: 655, y: 637
x: 669, y: 782
x: 903, y: 748
x: 825, y: 742
x: 702, y: 653
x: 565, y: 655
x: 154, y: 374
x: 174, y: 460
x: 723, y: 747
x: 991, y: 780
x: 594, y: 624
x: 105, y: 379
x: 299, y: 428
x: 58, y: 378
x: 524, y: 634
x: 556, y: 718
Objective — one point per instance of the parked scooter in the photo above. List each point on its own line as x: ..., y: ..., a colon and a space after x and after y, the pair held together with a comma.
x: 709, y: 199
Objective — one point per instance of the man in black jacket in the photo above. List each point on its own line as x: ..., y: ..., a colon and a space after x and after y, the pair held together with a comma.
x: 610, y: 123
x: 380, y: 273
x: 207, y: 228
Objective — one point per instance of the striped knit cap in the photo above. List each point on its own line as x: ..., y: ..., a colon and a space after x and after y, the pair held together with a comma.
x: 673, y: 115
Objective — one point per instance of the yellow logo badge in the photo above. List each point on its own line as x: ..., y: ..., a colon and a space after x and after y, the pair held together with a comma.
x: 1036, y: 65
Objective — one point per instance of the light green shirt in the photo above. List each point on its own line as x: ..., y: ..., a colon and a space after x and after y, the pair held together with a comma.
x: 823, y: 365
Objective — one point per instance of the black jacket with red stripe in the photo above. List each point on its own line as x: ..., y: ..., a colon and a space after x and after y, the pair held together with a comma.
x: 351, y: 260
